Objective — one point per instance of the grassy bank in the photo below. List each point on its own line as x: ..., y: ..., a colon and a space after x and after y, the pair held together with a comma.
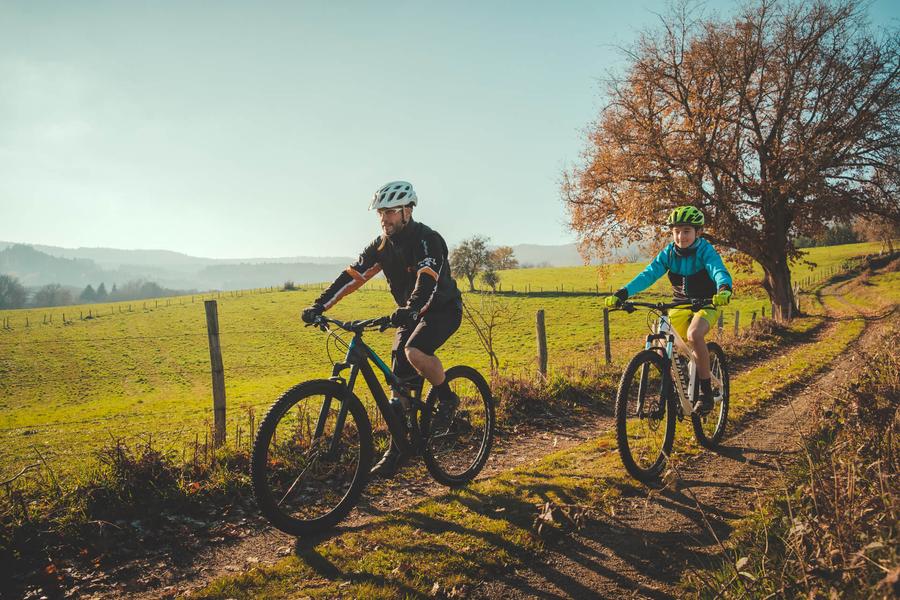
x: 831, y: 531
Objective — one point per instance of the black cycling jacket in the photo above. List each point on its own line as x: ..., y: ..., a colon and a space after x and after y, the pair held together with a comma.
x: 415, y: 264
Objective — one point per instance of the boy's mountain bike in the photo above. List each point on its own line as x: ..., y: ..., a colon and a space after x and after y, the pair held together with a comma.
x: 659, y: 384
x: 313, y: 450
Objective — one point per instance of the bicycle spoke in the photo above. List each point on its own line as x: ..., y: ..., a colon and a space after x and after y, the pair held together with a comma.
x: 302, y: 480
x: 458, y: 441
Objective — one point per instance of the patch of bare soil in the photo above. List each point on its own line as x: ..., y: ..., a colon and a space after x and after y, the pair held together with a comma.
x: 244, y: 539
x: 654, y: 536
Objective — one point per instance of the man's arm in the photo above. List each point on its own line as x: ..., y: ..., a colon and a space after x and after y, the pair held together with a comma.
x: 430, y: 263
x: 353, y: 277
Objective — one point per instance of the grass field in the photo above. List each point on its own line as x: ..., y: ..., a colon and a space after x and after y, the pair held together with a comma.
x: 136, y: 368
x: 455, y: 541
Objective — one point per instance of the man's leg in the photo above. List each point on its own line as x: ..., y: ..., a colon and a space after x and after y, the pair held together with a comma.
x: 420, y: 350
x: 401, y: 367
x: 429, y: 367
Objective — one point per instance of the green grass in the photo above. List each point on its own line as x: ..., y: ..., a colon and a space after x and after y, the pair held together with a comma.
x: 142, y: 368
x: 826, y: 531
x: 462, y: 538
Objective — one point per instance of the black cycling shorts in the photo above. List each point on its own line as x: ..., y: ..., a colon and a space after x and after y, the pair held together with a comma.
x: 431, y: 331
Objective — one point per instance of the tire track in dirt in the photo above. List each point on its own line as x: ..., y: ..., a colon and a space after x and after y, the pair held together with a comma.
x: 654, y: 537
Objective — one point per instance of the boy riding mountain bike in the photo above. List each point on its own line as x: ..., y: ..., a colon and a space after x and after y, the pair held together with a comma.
x: 696, y: 271
x: 415, y: 262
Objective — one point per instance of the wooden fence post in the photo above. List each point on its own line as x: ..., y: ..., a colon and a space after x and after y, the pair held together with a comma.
x: 606, y: 349
x: 218, y: 372
x: 737, y: 321
x: 541, y: 343
x: 752, y: 318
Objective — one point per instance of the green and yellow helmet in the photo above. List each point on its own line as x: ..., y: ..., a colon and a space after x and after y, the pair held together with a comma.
x: 685, y: 215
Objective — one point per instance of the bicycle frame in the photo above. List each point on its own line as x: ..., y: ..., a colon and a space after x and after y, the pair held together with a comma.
x: 666, y: 338
x: 357, y: 360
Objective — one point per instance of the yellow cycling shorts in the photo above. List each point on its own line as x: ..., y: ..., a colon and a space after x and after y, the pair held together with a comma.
x: 681, y: 318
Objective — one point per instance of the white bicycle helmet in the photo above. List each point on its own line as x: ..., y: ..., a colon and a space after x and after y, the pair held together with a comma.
x: 395, y: 193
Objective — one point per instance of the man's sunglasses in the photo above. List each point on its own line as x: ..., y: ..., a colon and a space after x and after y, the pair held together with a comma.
x: 389, y: 211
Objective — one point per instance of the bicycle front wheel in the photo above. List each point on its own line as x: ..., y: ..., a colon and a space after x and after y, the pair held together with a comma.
x: 311, y: 457
x: 645, y: 421
x: 457, y: 444
x: 710, y: 428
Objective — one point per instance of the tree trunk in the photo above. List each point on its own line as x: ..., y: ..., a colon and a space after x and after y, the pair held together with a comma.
x: 471, y: 279
x: 777, y: 282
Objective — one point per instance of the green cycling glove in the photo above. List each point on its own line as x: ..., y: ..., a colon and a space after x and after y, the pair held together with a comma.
x: 616, y: 299
x: 722, y: 298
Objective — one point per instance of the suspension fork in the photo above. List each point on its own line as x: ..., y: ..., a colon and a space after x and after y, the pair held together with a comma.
x: 666, y: 353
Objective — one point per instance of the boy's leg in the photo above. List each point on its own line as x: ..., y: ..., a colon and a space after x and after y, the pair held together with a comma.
x: 696, y: 334
x: 700, y: 326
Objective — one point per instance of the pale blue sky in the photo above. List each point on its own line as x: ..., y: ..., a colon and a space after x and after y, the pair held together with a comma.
x: 231, y: 129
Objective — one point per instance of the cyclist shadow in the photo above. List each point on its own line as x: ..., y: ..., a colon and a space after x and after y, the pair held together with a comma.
x: 323, y: 567
x: 745, y: 455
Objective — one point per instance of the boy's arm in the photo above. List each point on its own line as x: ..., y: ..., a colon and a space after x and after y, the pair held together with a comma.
x: 352, y: 278
x: 656, y: 269
x: 716, y: 269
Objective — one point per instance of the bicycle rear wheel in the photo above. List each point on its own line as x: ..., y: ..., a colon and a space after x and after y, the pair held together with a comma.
x: 710, y: 428
x: 309, y: 462
x: 645, y: 421
x: 457, y: 446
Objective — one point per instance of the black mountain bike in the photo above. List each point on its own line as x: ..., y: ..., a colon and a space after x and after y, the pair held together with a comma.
x: 659, y: 384
x: 313, y: 451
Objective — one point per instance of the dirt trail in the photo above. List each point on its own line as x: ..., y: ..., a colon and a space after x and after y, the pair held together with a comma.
x: 607, y: 557
x: 167, y: 576
x: 644, y: 550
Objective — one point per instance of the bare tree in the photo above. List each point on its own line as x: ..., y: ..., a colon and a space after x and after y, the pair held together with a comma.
x: 490, y: 277
x: 503, y: 257
x: 487, y: 317
x: 878, y: 229
x: 52, y: 294
x: 12, y: 293
x: 774, y: 123
x: 470, y: 258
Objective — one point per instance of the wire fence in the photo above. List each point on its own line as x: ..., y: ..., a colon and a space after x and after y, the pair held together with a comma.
x: 186, y: 425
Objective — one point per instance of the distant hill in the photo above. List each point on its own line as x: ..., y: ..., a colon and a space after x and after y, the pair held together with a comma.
x: 565, y: 255
x: 39, y: 265
x: 166, y: 259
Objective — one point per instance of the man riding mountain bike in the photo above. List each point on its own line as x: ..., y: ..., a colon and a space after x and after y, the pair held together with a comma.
x: 695, y: 271
x: 414, y: 259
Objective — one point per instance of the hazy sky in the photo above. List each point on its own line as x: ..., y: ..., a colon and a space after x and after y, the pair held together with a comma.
x: 238, y: 129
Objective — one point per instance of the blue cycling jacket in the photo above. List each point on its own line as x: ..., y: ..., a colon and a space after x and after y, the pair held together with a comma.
x: 695, y: 272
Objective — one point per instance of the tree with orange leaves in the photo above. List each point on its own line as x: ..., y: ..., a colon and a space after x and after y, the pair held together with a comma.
x: 773, y: 122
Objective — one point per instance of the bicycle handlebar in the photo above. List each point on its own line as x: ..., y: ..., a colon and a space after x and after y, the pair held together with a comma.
x: 695, y: 303
x: 358, y: 326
